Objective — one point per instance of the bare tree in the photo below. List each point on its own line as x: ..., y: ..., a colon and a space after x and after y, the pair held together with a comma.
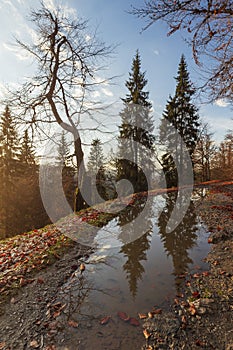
x: 208, y: 25
x: 67, y: 58
x: 222, y: 163
x: 203, y: 154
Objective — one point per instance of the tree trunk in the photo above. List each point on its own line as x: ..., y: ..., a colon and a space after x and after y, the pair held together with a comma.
x: 79, y: 202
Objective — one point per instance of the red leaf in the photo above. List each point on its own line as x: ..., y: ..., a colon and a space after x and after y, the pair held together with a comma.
x: 196, y: 294
x: 123, y: 316
x: 134, y: 322
x: 205, y: 273
x: 40, y: 280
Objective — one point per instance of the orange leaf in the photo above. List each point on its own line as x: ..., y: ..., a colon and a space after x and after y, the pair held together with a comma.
x: 146, y: 334
x: 34, y: 344
x: 142, y: 316
x: 72, y: 323
x: 192, y: 310
x: 82, y: 267
x: 56, y: 314
x: 105, y: 320
x: 183, y: 319
x: 158, y: 311
x: 205, y: 273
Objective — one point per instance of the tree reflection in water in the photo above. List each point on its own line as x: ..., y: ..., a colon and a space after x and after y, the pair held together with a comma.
x: 178, y: 242
x: 135, y: 251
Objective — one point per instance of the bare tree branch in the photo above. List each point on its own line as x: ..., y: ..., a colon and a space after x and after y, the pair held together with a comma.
x: 208, y: 25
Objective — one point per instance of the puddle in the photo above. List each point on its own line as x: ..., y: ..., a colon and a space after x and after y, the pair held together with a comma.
x: 133, y: 277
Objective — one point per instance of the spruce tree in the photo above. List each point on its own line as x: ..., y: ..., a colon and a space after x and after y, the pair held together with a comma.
x: 180, y: 114
x: 27, y: 153
x: 96, y: 169
x: 64, y: 159
x: 8, y: 169
x: 136, y: 131
x: 63, y: 150
x: 96, y: 157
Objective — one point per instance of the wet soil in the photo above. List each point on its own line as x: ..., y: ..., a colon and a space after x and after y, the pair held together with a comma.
x: 202, y: 316
x: 39, y: 316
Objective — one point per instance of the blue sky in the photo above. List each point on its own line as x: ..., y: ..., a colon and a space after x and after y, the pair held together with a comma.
x: 160, y: 54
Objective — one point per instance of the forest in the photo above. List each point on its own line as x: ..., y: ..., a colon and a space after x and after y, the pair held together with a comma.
x: 140, y: 157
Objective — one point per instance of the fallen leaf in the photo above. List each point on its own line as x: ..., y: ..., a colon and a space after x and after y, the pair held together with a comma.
x: 150, y: 314
x: 134, y: 322
x: 142, y: 316
x: 157, y: 311
x: 34, y: 344
x: 183, y: 319
x: 196, y: 275
x: 40, y: 280
x: 123, y: 316
x: 180, y: 295
x: 2, y: 345
x: 82, y: 267
x: 205, y: 273
x: 56, y: 314
x: 146, y: 334
x: 192, y: 310
x: 199, y: 343
x: 105, y: 320
x: 196, y: 294
x: 72, y: 323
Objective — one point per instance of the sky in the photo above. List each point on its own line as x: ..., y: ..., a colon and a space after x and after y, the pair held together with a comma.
x: 160, y: 54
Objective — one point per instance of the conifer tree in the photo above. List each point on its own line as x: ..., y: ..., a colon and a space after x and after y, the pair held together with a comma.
x: 8, y: 169
x: 64, y: 159
x: 135, y: 130
x: 96, y: 157
x: 181, y: 115
x: 96, y: 169
x: 63, y: 150
x: 27, y: 153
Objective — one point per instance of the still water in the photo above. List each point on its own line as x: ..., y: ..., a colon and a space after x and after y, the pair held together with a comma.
x: 136, y: 276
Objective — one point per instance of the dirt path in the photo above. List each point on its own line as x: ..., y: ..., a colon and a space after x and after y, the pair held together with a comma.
x: 25, y: 321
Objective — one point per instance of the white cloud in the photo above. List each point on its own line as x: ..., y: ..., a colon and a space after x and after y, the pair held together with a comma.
x: 107, y: 92
x: 87, y: 38
x: 221, y: 103
x: 19, y: 53
x: 50, y: 5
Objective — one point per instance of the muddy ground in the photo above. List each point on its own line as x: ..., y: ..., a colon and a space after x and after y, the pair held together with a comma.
x: 200, y: 317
